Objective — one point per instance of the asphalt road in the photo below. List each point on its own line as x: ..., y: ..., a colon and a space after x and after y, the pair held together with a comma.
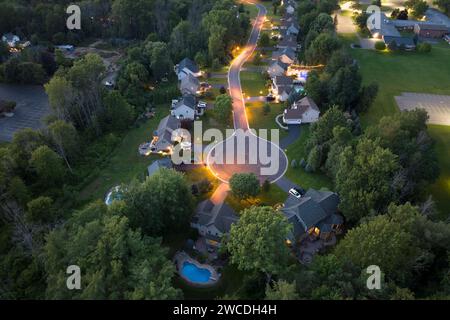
x: 243, y: 151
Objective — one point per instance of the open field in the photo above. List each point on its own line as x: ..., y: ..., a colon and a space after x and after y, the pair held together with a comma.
x: 410, y: 72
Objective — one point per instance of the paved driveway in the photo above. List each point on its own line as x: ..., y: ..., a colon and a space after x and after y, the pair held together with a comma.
x: 32, y: 106
x: 437, y: 106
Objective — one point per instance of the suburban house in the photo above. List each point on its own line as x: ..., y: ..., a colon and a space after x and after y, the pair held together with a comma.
x: 304, y: 110
x: 213, y: 221
x: 277, y: 68
x: 189, y: 84
x: 184, y: 108
x: 290, y: 9
x: 158, y: 164
x: 407, y: 43
x: 166, y: 135
x: 282, y: 87
x: 293, y: 29
x: 430, y: 30
x: 286, y: 55
x: 10, y: 39
x: 314, y: 214
x: 288, y: 42
x: 186, y: 67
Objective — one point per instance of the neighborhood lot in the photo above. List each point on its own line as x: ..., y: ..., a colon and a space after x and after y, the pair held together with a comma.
x: 437, y: 106
x: 32, y: 106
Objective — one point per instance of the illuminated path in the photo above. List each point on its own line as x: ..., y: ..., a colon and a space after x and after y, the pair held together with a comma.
x: 233, y: 148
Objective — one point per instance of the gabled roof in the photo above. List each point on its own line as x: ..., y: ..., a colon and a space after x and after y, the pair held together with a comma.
x: 164, y: 132
x: 222, y: 216
x: 283, y: 81
x: 190, y: 80
x: 158, y: 164
x: 187, y: 100
x: 310, y: 210
x: 289, y: 52
x: 9, y: 36
x: 399, y: 40
x: 288, y: 42
x: 437, y: 27
x: 188, y: 64
x: 280, y: 64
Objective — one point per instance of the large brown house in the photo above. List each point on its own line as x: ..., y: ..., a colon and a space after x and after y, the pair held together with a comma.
x: 430, y: 30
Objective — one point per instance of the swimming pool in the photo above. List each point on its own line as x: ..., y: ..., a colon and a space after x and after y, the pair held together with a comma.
x: 195, y: 274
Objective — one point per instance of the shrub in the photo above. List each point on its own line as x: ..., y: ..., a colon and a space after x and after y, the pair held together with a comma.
x: 379, y: 45
x: 424, y: 47
x: 293, y: 164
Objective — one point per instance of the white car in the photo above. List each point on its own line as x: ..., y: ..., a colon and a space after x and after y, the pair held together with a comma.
x: 295, y: 193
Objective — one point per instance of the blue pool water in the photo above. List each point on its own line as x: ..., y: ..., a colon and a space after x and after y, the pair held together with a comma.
x: 194, y: 273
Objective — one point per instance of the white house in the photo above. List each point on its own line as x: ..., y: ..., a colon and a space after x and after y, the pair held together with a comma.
x: 11, y: 39
x: 189, y: 85
x: 166, y: 135
x: 213, y: 221
x: 186, y: 67
x: 304, y: 110
x: 292, y: 30
x: 290, y: 9
x: 184, y: 108
x: 277, y: 68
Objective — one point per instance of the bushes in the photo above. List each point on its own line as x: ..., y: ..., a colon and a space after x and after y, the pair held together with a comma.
x: 424, y: 47
x: 379, y: 45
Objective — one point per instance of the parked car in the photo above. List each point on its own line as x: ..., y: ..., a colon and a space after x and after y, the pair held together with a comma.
x: 295, y: 193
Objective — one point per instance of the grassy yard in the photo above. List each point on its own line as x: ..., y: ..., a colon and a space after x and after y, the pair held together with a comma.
x: 258, y: 120
x: 270, y: 198
x: 298, y: 175
x: 125, y: 163
x: 410, y: 72
x: 253, y: 84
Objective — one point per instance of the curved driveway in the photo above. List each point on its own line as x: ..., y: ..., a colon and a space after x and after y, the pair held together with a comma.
x: 244, y: 151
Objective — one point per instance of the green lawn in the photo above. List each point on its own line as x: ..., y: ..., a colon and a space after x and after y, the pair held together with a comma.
x: 272, y: 197
x: 125, y: 163
x: 253, y: 84
x: 441, y: 189
x: 410, y: 72
x: 258, y: 120
x: 298, y: 175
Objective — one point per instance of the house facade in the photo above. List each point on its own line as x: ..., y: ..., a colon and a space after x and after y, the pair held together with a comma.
x: 315, y: 214
x: 304, y: 110
x: 186, y: 67
x: 287, y: 56
x: 185, y: 107
x: 430, y: 30
x: 212, y: 221
x: 166, y: 135
x: 282, y: 87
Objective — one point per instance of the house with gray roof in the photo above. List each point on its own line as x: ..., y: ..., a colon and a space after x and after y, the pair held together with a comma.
x: 166, y: 135
x: 277, y: 68
x: 186, y: 67
x: 304, y: 110
x: 185, y: 107
x: 282, y: 86
x: 10, y: 39
x: 159, y: 164
x: 213, y: 220
x: 189, y: 85
x: 315, y: 214
x: 288, y: 41
x: 286, y: 55
x: 406, y: 42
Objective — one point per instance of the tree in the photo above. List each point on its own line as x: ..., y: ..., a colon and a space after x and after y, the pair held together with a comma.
x: 418, y: 7
x: 322, y: 48
x: 160, y: 62
x: 65, y: 138
x: 244, y: 185
x: 257, y: 241
x: 380, y: 46
x: 163, y: 201
x: 266, y: 108
x: 117, y: 262
x: 424, y: 47
x: 118, y: 112
x: 281, y: 290
x: 363, y: 179
x: 360, y: 19
x: 444, y: 5
x: 367, y: 96
x: 40, y: 210
x: 322, y: 23
x: 344, y: 87
x: 48, y: 166
x: 314, y: 158
x: 223, y: 107
x: 264, y: 40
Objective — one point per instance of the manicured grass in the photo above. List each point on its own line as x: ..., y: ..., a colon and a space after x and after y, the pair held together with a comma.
x: 298, y: 175
x: 253, y: 84
x: 272, y: 197
x: 402, y: 72
x: 251, y: 9
x: 199, y: 174
x: 411, y: 72
x: 258, y: 120
x: 125, y: 163
x: 441, y: 188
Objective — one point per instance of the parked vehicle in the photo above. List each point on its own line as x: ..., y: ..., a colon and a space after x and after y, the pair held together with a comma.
x: 295, y: 193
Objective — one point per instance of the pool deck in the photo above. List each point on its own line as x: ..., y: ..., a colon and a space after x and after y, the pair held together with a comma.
x: 181, y: 257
